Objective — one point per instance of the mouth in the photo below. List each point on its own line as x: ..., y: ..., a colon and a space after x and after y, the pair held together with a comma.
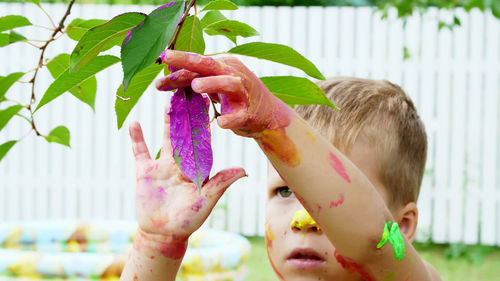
x: 305, y: 258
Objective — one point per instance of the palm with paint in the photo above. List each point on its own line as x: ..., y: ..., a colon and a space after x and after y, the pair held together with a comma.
x: 167, y: 202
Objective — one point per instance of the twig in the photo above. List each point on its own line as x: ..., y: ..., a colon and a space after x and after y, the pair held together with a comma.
x: 41, y: 26
x: 181, y: 22
x: 29, y: 43
x: 40, y: 61
x: 50, y: 19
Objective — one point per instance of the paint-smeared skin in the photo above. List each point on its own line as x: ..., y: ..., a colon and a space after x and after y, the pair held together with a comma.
x: 247, y: 106
x: 339, y: 201
x: 338, y: 166
x: 393, y: 235
x: 302, y: 219
x: 170, y: 246
x: 278, y: 144
x: 350, y: 265
x: 269, y: 237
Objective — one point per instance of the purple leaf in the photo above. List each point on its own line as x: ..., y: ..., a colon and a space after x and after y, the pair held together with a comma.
x: 190, y: 134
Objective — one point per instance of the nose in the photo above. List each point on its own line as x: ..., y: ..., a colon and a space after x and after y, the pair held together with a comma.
x: 302, y: 221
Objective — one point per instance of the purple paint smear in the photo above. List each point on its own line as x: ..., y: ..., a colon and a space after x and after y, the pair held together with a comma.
x: 190, y: 135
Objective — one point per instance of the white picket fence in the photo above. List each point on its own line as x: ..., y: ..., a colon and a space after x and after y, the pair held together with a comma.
x: 453, y: 77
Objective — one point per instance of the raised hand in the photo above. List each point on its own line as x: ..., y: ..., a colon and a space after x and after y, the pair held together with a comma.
x: 167, y: 202
x: 247, y: 106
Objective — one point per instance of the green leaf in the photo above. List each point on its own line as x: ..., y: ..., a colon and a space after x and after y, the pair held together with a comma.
x: 11, y: 37
x: 144, y: 44
x: 77, y: 28
x: 406, y: 53
x: 211, y: 17
x: 456, y: 21
x: 158, y: 154
x: 101, y: 38
x: 85, y: 91
x: 220, y: 5
x: 59, y: 135
x: 230, y: 29
x: 5, y: 147
x: 495, y: 8
x: 36, y: 2
x: 131, y: 96
x: 67, y: 81
x: 280, y: 54
x: 13, y: 21
x: 296, y: 90
x: 7, y: 114
x: 8, y: 81
x: 190, y: 37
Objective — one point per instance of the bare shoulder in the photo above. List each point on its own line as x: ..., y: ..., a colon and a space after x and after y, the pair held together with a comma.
x: 432, y: 271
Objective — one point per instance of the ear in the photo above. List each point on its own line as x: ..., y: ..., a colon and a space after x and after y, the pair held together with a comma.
x: 407, y: 219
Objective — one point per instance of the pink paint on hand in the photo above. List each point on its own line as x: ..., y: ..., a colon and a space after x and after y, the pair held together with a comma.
x: 334, y: 203
x: 339, y: 167
x: 197, y: 206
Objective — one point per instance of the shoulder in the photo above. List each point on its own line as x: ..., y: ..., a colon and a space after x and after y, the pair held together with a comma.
x: 432, y: 271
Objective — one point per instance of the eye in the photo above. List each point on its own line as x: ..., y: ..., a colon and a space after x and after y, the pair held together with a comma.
x: 284, y: 192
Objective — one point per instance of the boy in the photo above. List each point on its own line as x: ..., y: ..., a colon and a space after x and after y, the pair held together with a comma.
x: 357, y: 234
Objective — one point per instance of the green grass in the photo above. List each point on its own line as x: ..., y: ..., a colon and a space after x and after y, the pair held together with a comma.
x: 455, y: 262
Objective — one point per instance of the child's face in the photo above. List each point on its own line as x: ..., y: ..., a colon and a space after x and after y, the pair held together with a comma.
x: 306, y: 253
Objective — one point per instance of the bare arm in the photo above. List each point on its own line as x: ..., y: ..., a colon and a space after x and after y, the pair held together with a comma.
x: 313, y: 168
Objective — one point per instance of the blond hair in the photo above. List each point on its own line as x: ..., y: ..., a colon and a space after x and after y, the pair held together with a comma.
x: 385, y: 116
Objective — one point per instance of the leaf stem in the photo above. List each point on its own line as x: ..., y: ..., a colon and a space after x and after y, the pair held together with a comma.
x: 45, y: 27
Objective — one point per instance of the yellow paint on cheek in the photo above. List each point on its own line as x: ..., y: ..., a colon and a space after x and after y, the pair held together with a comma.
x: 269, y: 236
x: 301, y: 219
x: 277, y: 143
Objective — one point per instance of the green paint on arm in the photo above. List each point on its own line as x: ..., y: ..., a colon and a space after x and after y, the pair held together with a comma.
x: 384, y: 235
x: 395, y: 239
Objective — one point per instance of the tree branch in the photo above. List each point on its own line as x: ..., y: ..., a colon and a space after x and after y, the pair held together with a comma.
x: 181, y: 22
x: 40, y: 61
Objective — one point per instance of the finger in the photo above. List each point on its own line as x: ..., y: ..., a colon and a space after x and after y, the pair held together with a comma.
x: 234, y: 120
x: 224, y: 84
x: 139, y: 147
x: 218, y: 184
x: 167, y: 146
x: 194, y: 62
x: 179, y: 79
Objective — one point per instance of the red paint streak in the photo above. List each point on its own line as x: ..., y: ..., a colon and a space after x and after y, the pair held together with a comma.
x: 319, y: 207
x: 173, y: 250
x: 197, y: 206
x: 407, y: 278
x: 334, y: 203
x: 339, y: 167
x: 269, y: 244
x: 350, y: 265
x: 226, y: 30
x: 152, y: 257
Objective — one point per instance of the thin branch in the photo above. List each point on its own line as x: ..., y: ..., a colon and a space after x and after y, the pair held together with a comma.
x: 45, y: 27
x: 57, y: 29
x: 181, y: 22
x: 48, y: 16
x: 34, y: 45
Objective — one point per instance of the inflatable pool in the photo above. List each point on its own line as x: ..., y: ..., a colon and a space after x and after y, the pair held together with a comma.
x: 97, y: 250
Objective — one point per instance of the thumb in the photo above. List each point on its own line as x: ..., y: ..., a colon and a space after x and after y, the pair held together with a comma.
x: 218, y: 184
